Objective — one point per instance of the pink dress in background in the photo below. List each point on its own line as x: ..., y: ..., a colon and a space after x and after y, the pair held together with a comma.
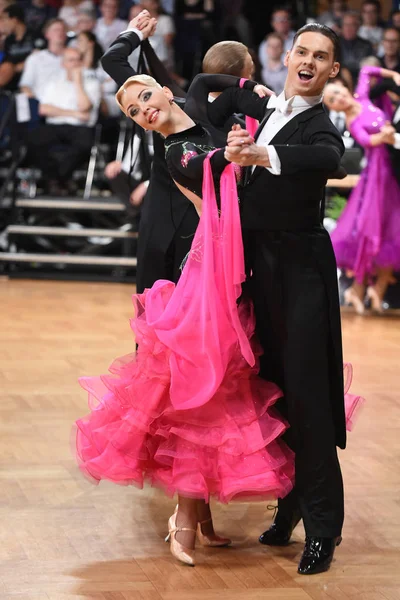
x: 367, y: 234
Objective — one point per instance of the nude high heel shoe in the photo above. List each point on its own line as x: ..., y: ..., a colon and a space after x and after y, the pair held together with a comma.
x: 183, y: 554
x: 376, y: 301
x: 215, y: 542
x: 351, y: 298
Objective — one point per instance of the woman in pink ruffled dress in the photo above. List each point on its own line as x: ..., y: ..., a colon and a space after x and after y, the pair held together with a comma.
x: 188, y: 412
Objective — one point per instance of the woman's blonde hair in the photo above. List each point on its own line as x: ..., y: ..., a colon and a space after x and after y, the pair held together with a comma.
x: 143, y: 79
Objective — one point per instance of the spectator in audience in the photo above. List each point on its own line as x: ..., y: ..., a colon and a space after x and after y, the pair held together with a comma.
x: 370, y: 30
x: 395, y: 19
x: 41, y: 67
x: 37, y: 13
x: 333, y: 17
x: 353, y: 48
x: 274, y: 72
x: 235, y: 26
x: 90, y: 49
x: 162, y: 40
x: 391, y: 47
x: 70, y: 11
x: 109, y: 26
x: 126, y: 177
x: 18, y: 45
x: 70, y: 104
x: 86, y: 21
x: 197, y: 22
x: 281, y: 22
x: 91, y: 52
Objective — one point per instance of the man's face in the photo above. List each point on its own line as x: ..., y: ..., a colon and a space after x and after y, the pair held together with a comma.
x: 8, y: 25
x: 72, y: 59
x: 369, y: 14
x: 310, y: 64
x: 56, y: 33
x: 396, y: 20
x: 350, y: 27
x: 274, y: 48
x: 281, y: 22
x: 85, y: 23
x: 109, y: 9
x: 391, y: 42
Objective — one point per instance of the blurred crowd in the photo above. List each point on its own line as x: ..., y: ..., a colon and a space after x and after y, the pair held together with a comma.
x: 50, y: 54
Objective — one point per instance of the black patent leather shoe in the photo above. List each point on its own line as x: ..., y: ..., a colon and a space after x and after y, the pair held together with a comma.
x: 281, y: 530
x: 317, y: 555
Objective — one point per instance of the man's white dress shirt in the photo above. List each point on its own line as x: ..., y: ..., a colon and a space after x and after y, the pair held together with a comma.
x: 285, y: 111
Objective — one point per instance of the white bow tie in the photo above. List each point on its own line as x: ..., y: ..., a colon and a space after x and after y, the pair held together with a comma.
x: 280, y: 104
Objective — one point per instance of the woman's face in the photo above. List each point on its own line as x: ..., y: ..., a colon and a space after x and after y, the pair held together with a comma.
x: 248, y: 69
x: 337, y: 97
x: 149, y: 107
x: 83, y: 43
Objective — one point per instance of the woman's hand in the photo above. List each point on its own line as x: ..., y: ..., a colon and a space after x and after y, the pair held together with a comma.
x: 387, y: 133
x: 263, y: 91
x: 396, y: 78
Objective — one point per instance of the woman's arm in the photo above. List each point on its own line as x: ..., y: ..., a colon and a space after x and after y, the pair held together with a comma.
x: 115, y: 60
x: 364, y: 80
x: 233, y: 100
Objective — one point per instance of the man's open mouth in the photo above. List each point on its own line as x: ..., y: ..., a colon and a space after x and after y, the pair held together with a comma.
x: 305, y: 75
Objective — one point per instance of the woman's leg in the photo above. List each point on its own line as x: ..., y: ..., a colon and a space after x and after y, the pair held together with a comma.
x: 376, y: 292
x: 187, y: 517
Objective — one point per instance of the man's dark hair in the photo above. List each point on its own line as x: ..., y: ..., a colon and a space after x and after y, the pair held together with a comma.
x: 15, y: 11
x: 323, y: 30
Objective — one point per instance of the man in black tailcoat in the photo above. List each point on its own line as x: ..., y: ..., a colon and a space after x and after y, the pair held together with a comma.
x: 293, y: 283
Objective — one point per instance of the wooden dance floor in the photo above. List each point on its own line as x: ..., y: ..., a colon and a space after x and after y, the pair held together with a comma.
x: 63, y: 538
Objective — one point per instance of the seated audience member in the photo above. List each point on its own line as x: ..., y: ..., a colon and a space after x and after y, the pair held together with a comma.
x: 86, y: 21
x: 370, y: 29
x: 281, y: 22
x: 126, y: 177
x: 353, y: 48
x: 41, y: 67
x: 37, y: 13
x: 69, y: 12
x: 274, y: 72
x: 162, y: 40
x: 70, y: 103
x: 108, y: 27
x: 333, y: 17
x: 395, y: 19
x: 91, y: 52
x: 391, y: 49
x: 18, y: 45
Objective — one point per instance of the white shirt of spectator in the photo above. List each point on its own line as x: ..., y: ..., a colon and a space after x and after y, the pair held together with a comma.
x: 373, y: 35
x: 61, y: 92
x: 106, y: 34
x: 285, y: 111
x: 40, y: 68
